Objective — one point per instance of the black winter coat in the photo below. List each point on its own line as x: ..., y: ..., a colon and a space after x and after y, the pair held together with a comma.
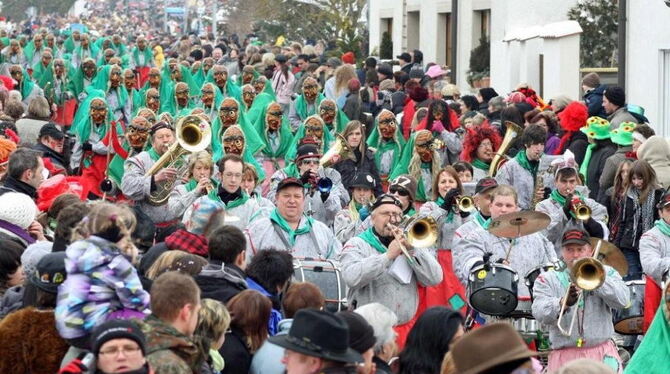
x: 594, y: 101
x: 603, y: 150
x: 627, y: 236
x: 235, y: 353
x: 349, y: 168
x: 577, y: 145
x: 222, y: 287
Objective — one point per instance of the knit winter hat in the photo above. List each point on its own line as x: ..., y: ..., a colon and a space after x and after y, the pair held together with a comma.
x: 591, y: 80
x: 117, y: 329
x: 487, y: 93
x: 597, y: 128
x: 616, y: 95
x: 361, y: 334
x: 198, y: 216
x: 18, y: 209
x: 624, y: 134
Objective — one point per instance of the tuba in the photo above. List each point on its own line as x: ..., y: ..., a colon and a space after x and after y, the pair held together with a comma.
x: 340, y: 147
x: 512, y: 132
x: 193, y: 135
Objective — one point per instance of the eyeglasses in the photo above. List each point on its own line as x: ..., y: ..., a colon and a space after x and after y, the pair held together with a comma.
x: 127, y: 350
x: 394, y: 216
x: 232, y: 175
x: 398, y: 191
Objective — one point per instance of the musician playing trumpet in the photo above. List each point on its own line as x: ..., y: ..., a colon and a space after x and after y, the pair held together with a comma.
x: 349, y: 221
x: 567, y: 207
x: 593, y: 329
x: 200, y: 182
x: 367, y: 258
x: 138, y: 186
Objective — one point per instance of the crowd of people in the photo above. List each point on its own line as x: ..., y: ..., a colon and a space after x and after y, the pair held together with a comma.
x: 205, y: 204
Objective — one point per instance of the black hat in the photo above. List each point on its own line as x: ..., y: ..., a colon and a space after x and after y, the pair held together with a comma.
x: 485, y: 184
x: 385, y: 199
x: 361, y: 334
x: 281, y: 59
x: 307, y: 151
x: 416, y: 73
x: 160, y: 125
x: 287, y: 182
x: 665, y: 200
x: 615, y: 95
x: 487, y: 93
x: 49, y: 272
x: 363, y: 180
x: 385, y: 69
x: 318, y: 333
x: 405, y: 57
x: 575, y: 236
x: 50, y: 129
x: 117, y: 329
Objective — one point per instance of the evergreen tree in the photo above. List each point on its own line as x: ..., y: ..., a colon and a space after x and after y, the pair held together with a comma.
x: 599, y: 20
x: 386, y: 48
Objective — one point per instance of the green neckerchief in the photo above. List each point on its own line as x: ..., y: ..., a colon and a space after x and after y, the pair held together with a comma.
x: 292, y: 234
x: 426, y: 165
x: 564, y: 278
x: 153, y: 154
x: 301, y: 106
x: 522, y: 159
x: 411, y: 212
x: 292, y: 171
x: 481, y: 221
x: 233, y: 204
x: 369, y: 237
x: 479, y: 164
x: 450, y: 214
x: 583, y: 170
x: 560, y: 199
x: 663, y: 226
x: 192, y: 183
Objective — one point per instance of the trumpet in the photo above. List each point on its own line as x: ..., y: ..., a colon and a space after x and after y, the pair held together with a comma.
x: 465, y: 203
x: 588, y: 274
x: 581, y: 211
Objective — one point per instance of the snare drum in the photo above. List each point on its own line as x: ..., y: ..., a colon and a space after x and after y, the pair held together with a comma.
x: 492, y: 289
x: 532, y: 275
x: 325, y: 274
x: 628, y: 321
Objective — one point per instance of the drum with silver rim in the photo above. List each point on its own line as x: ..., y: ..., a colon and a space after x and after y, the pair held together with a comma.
x: 492, y: 289
x: 629, y: 320
x: 326, y: 275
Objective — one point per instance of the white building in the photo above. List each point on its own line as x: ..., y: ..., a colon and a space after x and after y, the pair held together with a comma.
x: 527, y: 44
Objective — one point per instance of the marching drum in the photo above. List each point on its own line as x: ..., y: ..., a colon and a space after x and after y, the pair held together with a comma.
x: 628, y: 321
x: 492, y: 289
x: 532, y: 275
x: 325, y: 274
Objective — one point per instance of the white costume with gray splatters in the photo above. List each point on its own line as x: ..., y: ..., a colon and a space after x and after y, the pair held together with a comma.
x: 655, y: 254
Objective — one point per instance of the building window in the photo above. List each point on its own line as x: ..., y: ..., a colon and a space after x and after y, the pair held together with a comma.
x: 664, y: 90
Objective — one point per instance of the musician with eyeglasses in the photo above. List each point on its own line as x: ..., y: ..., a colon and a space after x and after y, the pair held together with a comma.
x: 325, y: 194
x: 592, y: 330
x: 367, y: 261
x: 138, y: 186
x: 349, y: 221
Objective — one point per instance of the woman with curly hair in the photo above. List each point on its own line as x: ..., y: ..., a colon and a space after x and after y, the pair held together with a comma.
x: 479, y: 146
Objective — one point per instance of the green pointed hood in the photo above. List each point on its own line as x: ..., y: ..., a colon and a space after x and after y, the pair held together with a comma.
x: 285, y: 136
x: 232, y: 89
x: 101, y: 82
x: 293, y: 149
x: 375, y: 141
x: 253, y: 142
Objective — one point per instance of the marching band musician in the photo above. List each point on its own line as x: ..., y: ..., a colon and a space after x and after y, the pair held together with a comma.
x: 349, y: 221
x: 521, y: 172
x: 444, y: 208
x: 321, y: 204
x: 289, y: 229
x: 593, y: 328
x: 521, y: 254
x: 367, y: 259
x: 138, y: 186
x: 200, y: 182
x: 562, y: 201
x: 403, y: 188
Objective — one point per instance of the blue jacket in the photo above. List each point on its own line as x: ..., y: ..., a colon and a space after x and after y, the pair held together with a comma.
x: 275, y: 315
x: 267, y: 359
x: 594, y: 101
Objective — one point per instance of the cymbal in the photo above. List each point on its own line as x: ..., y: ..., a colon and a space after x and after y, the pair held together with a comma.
x: 611, y: 255
x: 514, y: 225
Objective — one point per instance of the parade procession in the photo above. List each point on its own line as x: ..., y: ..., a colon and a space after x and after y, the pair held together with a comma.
x: 181, y: 197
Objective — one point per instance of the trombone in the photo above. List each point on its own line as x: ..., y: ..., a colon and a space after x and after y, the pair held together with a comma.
x: 420, y: 231
x: 588, y: 274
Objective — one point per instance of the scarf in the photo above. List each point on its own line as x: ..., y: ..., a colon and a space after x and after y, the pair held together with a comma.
x: 663, y: 226
x: 370, y: 237
x: 525, y: 163
x: 450, y: 215
x: 153, y: 154
x: 481, y: 221
x: 188, y: 242
x: 479, y: 164
x: 292, y: 234
x: 564, y: 278
x: 18, y: 231
x: 231, y: 200
x: 643, y: 213
x: 583, y: 170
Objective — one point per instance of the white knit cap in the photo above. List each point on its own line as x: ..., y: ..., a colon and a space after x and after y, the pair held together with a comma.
x: 18, y: 209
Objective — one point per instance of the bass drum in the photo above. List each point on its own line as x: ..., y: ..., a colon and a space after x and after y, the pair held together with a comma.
x: 532, y: 275
x: 492, y: 289
x: 628, y: 321
x: 325, y: 274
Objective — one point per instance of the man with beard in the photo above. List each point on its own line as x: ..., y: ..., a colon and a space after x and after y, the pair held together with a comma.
x: 421, y: 161
x: 136, y: 136
x: 142, y: 60
x: 288, y: 229
x: 321, y: 204
x: 275, y: 132
x: 333, y: 118
x: 108, y: 80
x: 12, y: 55
x: 83, y: 78
x: 521, y: 172
x: 388, y: 143
x: 305, y: 104
x: 210, y: 99
x: 230, y: 114
x: 25, y: 85
x: 366, y: 265
x: 50, y: 144
x: 139, y: 187
x: 33, y: 51
x: 84, y: 51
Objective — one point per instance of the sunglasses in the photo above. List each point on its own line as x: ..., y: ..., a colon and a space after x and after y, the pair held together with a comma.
x: 399, y: 191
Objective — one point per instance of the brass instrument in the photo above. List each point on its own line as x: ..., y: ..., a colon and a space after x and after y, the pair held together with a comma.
x: 340, y: 147
x: 465, y: 203
x: 513, y: 131
x: 588, y: 274
x: 420, y: 231
x: 539, y: 186
x: 193, y: 135
x: 436, y: 144
x: 581, y: 211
